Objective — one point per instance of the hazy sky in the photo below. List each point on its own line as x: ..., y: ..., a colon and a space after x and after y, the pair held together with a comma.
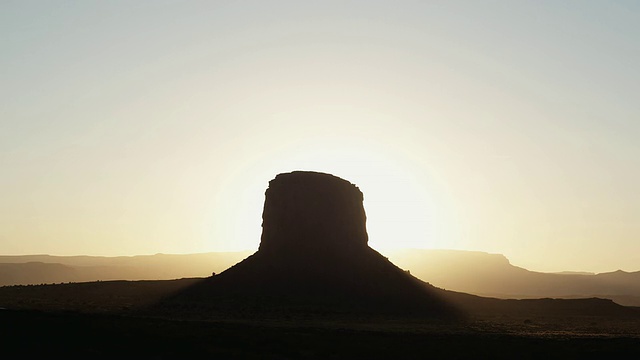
x: 138, y: 127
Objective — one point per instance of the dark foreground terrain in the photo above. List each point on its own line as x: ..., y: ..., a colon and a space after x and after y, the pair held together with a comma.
x: 28, y: 334
x: 103, y: 320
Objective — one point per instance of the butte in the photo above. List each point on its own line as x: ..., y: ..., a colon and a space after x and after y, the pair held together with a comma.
x: 313, y: 258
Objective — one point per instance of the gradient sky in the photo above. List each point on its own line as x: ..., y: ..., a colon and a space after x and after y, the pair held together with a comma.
x: 138, y: 127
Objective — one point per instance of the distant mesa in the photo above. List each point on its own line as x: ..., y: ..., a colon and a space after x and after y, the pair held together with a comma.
x: 313, y: 261
x: 314, y: 256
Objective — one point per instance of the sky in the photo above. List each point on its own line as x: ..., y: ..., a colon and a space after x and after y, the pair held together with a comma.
x: 143, y: 127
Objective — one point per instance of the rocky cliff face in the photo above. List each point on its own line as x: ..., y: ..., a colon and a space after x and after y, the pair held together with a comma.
x: 312, y: 214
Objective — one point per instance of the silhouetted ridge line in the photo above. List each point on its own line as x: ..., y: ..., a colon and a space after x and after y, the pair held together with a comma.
x: 314, y: 257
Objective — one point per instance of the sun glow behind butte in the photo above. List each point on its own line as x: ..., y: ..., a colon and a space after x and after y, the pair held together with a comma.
x: 155, y: 126
x: 402, y: 205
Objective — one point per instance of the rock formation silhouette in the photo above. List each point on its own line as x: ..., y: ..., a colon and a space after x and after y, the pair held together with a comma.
x: 312, y: 215
x: 314, y: 257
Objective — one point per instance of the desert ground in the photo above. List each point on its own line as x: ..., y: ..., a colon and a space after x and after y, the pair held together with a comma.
x: 104, y: 319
